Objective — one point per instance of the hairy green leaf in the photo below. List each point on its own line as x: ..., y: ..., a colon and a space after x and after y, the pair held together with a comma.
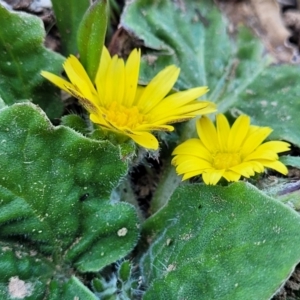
x: 220, y: 243
x: 55, y: 188
x: 23, y: 56
x: 293, y: 161
x: 68, y: 17
x: 193, y: 36
x: 91, y: 36
x: 273, y: 100
x: 25, y: 275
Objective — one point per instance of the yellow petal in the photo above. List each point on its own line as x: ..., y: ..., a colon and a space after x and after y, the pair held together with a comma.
x: 275, y: 165
x: 238, y: 133
x: 132, y: 70
x: 155, y: 126
x: 191, y: 110
x: 193, y: 147
x: 246, y: 169
x: 186, y: 159
x: 223, y: 130
x: 158, y: 88
x: 178, y: 99
x: 101, y: 76
x: 58, y: 81
x: 173, y: 119
x: 145, y: 139
x: 252, y: 129
x: 89, y: 105
x: 98, y: 119
x: 208, y: 134
x: 254, y: 140
x: 276, y: 146
x: 115, y: 81
x: 79, y: 77
x: 138, y: 94
x: 73, y: 63
x: 261, y: 154
x: 190, y: 164
x: 231, y: 176
x: 213, y: 177
x: 189, y: 175
x: 257, y: 166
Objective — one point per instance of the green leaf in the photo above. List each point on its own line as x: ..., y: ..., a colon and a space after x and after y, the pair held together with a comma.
x: 68, y: 17
x: 293, y: 161
x: 213, y: 242
x: 75, y: 122
x: 273, y: 100
x: 125, y: 271
x: 109, y: 234
x: 238, y: 73
x: 74, y: 289
x: 237, y: 70
x: 24, y: 275
x: 91, y: 36
x: 192, y: 36
x: 55, y: 187
x: 23, y: 56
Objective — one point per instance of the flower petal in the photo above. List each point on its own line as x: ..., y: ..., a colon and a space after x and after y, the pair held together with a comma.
x: 99, y: 119
x: 186, y: 163
x: 88, y: 104
x: 261, y: 154
x: 254, y: 139
x: 145, y: 139
x: 276, y: 146
x: 246, y: 169
x: 275, y: 165
x: 217, y: 153
x: 115, y: 81
x: 189, y: 175
x: 212, y: 177
x: 158, y: 88
x: 223, y: 130
x: 152, y: 127
x: 238, y: 133
x: 73, y: 64
x: 208, y: 134
x: 231, y: 176
x: 101, y: 76
x: 188, y: 111
x: 193, y: 147
x: 58, y: 81
x: 79, y: 77
x: 132, y: 69
x: 179, y: 99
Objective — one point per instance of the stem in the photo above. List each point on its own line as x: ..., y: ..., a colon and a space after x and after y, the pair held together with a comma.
x: 124, y: 192
x: 170, y: 180
x: 167, y: 185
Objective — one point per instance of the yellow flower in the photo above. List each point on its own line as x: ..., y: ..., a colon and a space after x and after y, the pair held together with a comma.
x: 116, y: 102
x: 227, y: 152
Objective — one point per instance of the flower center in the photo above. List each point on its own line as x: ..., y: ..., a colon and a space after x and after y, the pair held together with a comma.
x: 225, y: 160
x: 122, y: 116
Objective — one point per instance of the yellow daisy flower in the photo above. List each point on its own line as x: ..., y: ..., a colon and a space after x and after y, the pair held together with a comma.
x: 229, y: 152
x: 116, y: 102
